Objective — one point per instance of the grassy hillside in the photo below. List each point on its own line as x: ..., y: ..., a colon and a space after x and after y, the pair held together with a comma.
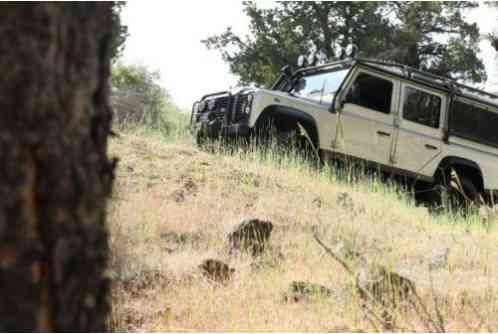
x: 174, y: 206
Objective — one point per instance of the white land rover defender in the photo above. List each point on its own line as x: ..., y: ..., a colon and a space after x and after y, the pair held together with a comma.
x: 403, y: 120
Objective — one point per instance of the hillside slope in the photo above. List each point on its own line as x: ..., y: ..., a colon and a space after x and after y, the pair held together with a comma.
x: 174, y: 206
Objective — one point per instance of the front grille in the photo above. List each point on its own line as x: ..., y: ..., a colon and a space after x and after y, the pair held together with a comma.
x: 240, y: 104
x: 228, y: 104
x: 220, y: 108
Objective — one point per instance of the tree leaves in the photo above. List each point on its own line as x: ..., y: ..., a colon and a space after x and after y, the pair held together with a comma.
x: 431, y: 36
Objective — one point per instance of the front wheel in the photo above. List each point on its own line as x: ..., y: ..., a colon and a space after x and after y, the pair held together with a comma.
x: 456, y: 192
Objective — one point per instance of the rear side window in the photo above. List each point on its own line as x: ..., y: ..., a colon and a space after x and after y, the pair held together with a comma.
x: 422, y: 107
x: 371, y: 92
x: 474, y: 123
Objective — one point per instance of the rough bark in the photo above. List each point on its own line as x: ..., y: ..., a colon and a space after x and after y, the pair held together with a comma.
x: 55, y: 175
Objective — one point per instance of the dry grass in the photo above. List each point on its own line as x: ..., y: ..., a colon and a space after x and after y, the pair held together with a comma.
x: 173, y: 187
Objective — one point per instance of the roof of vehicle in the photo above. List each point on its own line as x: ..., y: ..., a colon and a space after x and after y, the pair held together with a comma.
x: 414, y: 74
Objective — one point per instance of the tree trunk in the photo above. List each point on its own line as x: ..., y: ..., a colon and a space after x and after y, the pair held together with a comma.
x: 55, y: 176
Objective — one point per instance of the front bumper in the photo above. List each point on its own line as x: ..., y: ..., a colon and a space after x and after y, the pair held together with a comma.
x: 224, y: 119
x: 215, y: 129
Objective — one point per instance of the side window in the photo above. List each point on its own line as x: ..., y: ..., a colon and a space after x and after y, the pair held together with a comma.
x: 371, y: 92
x: 421, y: 107
x: 474, y: 123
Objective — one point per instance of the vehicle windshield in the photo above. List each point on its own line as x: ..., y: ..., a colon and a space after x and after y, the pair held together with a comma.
x: 320, y: 87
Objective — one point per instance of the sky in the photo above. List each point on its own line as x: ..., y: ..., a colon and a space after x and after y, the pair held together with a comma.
x: 166, y: 36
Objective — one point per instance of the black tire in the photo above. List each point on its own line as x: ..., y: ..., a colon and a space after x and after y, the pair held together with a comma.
x: 292, y: 140
x: 272, y: 135
x: 447, y: 194
x: 200, y: 139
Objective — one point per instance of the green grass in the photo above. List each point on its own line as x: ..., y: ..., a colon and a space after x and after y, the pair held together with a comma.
x: 355, y: 178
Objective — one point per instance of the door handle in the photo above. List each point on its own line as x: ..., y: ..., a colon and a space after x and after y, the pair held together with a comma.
x: 430, y: 147
x: 383, y: 134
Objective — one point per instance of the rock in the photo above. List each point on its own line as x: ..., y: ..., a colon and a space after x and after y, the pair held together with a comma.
x: 301, y: 290
x: 345, y: 201
x: 216, y: 270
x: 251, y: 236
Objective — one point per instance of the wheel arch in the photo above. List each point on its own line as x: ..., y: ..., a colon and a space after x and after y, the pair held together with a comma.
x: 462, y: 166
x: 287, y: 117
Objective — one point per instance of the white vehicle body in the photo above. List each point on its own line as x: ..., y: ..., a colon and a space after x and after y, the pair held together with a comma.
x: 401, y: 138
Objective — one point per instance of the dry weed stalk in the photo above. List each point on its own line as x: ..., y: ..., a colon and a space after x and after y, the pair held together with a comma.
x: 387, y: 294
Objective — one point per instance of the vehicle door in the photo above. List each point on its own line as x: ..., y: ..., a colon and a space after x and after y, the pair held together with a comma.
x: 367, y: 118
x: 420, y: 129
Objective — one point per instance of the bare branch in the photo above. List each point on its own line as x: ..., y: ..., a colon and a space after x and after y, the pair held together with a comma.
x: 331, y: 252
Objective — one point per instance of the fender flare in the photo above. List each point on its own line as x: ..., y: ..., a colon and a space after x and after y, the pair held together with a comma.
x: 307, y: 121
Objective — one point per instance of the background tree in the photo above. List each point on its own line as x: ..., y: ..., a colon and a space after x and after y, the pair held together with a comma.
x: 433, y: 36
x: 493, y: 37
x: 430, y: 35
x: 119, y: 31
x: 139, y: 99
x: 55, y: 175
x: 279, y: 35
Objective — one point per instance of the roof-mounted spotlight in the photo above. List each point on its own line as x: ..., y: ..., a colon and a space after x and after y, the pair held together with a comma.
x: 352, y: 51
x: 301, y: 61
x: 321, y: 57
x: 339, y: 52
x: 312, y: 58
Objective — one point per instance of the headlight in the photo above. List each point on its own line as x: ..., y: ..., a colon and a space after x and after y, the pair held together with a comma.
x: 247, y: 106
x: 211, y: 104
x: 202, y: 106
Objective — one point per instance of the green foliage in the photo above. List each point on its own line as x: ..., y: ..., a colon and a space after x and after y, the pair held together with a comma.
x: 427, y: 35
x: 119, y: 31
x: 493, y: 37
x: 434, y: 36
x: 139, y: 100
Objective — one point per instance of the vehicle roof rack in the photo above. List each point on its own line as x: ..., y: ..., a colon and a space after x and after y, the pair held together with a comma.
x: 433, y: 79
